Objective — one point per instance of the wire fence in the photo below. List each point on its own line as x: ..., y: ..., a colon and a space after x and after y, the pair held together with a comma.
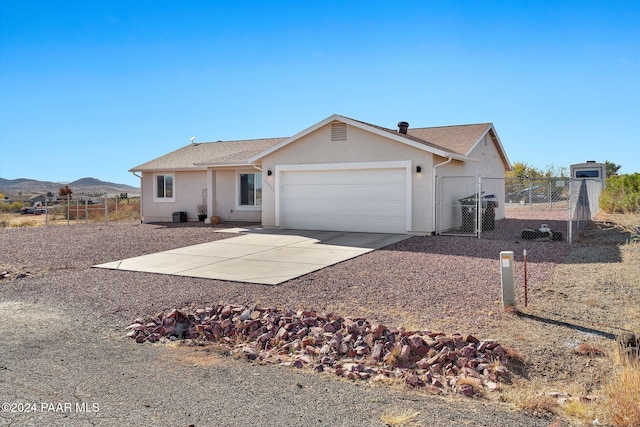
x: 516, y: 208
x: 81, y: 209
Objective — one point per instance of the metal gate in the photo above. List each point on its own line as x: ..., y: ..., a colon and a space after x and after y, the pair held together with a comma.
x: 505, y: 208
x: 457, y: 205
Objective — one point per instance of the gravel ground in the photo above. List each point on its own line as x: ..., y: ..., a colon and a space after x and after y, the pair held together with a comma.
x: 62, y: 328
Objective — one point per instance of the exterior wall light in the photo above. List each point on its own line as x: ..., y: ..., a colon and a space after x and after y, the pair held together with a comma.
x: 269, y: 172
x: 418, y: 169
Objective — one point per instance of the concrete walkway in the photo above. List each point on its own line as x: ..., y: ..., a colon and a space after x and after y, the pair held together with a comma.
x: 262, y: 256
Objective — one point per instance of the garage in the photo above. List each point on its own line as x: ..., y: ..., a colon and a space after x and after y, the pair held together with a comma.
x: 361, y: 200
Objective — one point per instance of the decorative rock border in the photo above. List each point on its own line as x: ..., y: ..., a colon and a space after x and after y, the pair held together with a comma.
x: 326, y: 342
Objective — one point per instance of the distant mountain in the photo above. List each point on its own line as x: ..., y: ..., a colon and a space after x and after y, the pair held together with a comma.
x: 80, y: 186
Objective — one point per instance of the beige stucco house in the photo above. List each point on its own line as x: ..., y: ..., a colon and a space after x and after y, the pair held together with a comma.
x: 339, y: 174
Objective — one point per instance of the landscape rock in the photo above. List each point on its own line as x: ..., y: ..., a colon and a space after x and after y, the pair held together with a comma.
x: 351, y: 348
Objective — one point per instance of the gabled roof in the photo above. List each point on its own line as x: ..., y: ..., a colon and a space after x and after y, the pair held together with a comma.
x: 462, y: 139
x: 387, y: 133
x: 456, y: 142
x: 201, y: 155
x: 459, y: 139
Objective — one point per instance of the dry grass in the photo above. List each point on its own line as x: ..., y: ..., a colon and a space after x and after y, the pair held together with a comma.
x: 529, y: 399
x: 581, y: 410
x: 621, y: 403
x: 588, y: 349
x: 400, y: 419
x: 24, y: 223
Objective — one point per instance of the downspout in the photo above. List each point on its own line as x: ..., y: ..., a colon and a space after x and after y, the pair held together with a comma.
x: 433, y: 193
x: 140, y: 176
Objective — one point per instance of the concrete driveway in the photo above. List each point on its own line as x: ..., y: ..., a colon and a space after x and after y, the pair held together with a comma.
x: 262, y: 256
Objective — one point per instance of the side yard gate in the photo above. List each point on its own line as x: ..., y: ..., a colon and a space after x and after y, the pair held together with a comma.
x: 515, y: 208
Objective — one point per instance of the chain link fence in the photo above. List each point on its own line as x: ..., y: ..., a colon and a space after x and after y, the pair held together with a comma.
x: 81, y: 209
x: 516, y: 208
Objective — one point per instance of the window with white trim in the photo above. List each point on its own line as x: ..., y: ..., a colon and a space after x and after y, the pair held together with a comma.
x: 250, y: 190
x: 164, y: 187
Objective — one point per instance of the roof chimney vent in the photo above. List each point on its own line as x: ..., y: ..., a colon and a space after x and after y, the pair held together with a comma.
x: 402, y: 127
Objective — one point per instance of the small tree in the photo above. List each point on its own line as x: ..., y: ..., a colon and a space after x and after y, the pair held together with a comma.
x: 65, y: 191
x: 553, y: 171
x: 611, y: 168
x: 524, y: 171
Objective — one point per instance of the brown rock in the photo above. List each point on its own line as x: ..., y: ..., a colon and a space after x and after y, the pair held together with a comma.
x: 329, y: 327
x: 423, y: 363
x: 377, y: 352
x: 416, y: 341
x: 471, y: 339
x: 491, y: 344
x: 466, y: 390
x: 282, y: 334
x: 249, y: 352
x: 458, y: 341
x: 414, y: 380
x: 370, y: 339
x: 468, y: 351
x: 502, y: 371
x: 265, y: 336
x: 405, y: 351
x: 362, y: 350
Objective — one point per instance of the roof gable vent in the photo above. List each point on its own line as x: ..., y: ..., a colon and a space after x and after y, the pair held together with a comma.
x: 338, y: 131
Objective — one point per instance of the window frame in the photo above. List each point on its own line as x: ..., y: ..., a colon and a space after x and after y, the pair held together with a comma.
x: 238, y: 192
x: 157, y: 198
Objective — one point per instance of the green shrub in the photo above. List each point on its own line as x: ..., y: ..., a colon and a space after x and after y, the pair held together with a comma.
x: 10, y: 207
x: 621, y: 194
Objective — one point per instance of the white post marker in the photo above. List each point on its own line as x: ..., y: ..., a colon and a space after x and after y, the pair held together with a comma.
x: 506, y: 274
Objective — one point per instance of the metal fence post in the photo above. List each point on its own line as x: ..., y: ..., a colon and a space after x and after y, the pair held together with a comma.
x: 569, y: 212
x: 479, y: 208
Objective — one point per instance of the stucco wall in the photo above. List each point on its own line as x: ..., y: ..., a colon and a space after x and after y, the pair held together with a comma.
x: 226, y: 197
x: 188, y: 188
x: 188, y: 194
x: 360, y: 146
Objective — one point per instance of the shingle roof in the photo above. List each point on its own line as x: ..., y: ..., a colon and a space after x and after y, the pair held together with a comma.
x: 209, y: 153
x: 410, y: 136
x: 459, y: 139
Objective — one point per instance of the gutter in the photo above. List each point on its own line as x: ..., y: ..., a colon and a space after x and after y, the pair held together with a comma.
x: 141, y: 204
x: 433, y: 193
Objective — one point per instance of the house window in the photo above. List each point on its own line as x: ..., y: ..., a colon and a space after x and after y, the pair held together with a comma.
x: 164, y: 187
x: 250, y: 189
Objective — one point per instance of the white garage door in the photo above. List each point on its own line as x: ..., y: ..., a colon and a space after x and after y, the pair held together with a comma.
x: 363, y: 200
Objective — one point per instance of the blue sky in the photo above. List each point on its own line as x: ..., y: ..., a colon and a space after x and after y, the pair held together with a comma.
x: 94, y: 88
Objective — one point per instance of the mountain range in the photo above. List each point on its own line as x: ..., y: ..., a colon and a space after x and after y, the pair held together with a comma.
x: 83, y: 185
